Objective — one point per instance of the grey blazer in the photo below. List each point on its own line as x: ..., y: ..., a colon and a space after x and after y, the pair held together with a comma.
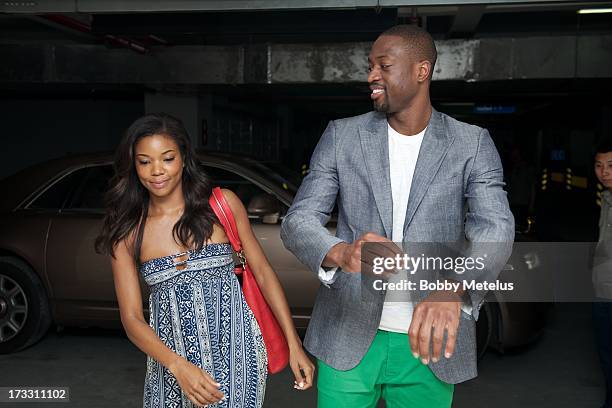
x: 456, y: 194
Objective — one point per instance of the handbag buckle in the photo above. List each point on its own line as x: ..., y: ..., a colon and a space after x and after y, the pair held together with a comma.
x: 242, y: 258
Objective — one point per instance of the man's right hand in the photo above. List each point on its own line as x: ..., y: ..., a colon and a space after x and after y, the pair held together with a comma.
x: 349, y: 257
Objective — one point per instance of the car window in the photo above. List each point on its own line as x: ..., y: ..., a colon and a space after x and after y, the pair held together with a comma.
x: 242, y: 187
x: 89, y: 194
x: 54, y: 197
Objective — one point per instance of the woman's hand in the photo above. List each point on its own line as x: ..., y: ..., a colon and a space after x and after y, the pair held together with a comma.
x: 300, y: 363
x: 197, y: 385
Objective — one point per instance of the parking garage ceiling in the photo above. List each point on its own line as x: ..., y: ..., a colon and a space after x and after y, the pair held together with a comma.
x: 225, y: 21
x: 241, y: 42
x: 131, y: 6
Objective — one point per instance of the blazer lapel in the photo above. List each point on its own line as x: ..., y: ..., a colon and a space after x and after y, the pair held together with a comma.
x: 375, y: 148
x: 433, y: 150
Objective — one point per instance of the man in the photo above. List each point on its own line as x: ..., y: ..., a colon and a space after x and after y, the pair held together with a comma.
x: 602, y: 268
x: 403, y: 173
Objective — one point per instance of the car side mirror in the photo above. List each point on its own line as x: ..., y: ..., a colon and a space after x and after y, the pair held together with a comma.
x: 265, y: 206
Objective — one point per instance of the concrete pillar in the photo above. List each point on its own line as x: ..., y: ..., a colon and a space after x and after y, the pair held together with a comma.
x: 205, y: 111
x: 606, y: 122
x: 285, y: 116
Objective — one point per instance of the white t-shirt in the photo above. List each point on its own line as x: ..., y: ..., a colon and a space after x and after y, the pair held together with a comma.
x: 403, y: 154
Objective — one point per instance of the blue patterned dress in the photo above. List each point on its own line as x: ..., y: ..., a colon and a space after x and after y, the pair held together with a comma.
x: 200, y: 313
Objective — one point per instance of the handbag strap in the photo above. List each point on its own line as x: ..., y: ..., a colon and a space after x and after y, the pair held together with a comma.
x: 223, y: 212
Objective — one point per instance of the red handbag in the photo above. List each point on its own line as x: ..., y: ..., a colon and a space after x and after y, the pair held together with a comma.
x: 274, y: 339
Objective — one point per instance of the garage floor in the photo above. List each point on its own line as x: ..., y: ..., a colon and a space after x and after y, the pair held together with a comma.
x: 103, y: 369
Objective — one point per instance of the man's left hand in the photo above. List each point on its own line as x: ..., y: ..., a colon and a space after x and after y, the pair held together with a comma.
x: 437, y: 313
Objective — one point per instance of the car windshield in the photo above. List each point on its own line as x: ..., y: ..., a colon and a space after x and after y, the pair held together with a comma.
x: 277, y: 173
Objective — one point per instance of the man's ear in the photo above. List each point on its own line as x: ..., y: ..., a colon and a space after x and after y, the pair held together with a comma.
x: 424, y: 70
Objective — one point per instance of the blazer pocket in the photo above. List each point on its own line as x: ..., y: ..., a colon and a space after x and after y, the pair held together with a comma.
x: 453, y: 181
x: 445, y: 178
x: 444, y: 194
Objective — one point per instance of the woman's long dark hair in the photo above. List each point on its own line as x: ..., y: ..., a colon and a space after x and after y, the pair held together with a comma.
x: 127, y: 200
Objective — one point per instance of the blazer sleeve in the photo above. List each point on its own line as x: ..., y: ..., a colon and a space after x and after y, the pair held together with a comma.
x: 489, y: 223
x: 303, y: 229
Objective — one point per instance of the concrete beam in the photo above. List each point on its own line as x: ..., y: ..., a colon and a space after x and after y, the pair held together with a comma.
x: 595, y: 57
x: 462, y: 60
x: 307, y: 63
x: 55, y: 63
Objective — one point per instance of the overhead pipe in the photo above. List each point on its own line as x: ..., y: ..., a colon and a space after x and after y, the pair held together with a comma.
x: 80, y: 26
x: 157, y: 39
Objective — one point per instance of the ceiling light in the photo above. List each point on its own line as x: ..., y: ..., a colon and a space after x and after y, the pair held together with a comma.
x: 595, y: 11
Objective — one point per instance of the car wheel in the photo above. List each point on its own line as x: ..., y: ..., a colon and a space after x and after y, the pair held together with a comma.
x: 484, y: 329
x: 24, y: 306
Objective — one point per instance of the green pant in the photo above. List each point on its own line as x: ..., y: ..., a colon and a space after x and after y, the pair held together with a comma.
x: 388, y: 370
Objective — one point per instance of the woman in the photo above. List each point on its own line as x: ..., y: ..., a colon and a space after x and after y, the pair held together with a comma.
x: 203, y: 343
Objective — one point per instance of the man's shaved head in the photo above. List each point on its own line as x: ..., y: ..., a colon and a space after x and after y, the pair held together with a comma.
x: 419, y: 42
